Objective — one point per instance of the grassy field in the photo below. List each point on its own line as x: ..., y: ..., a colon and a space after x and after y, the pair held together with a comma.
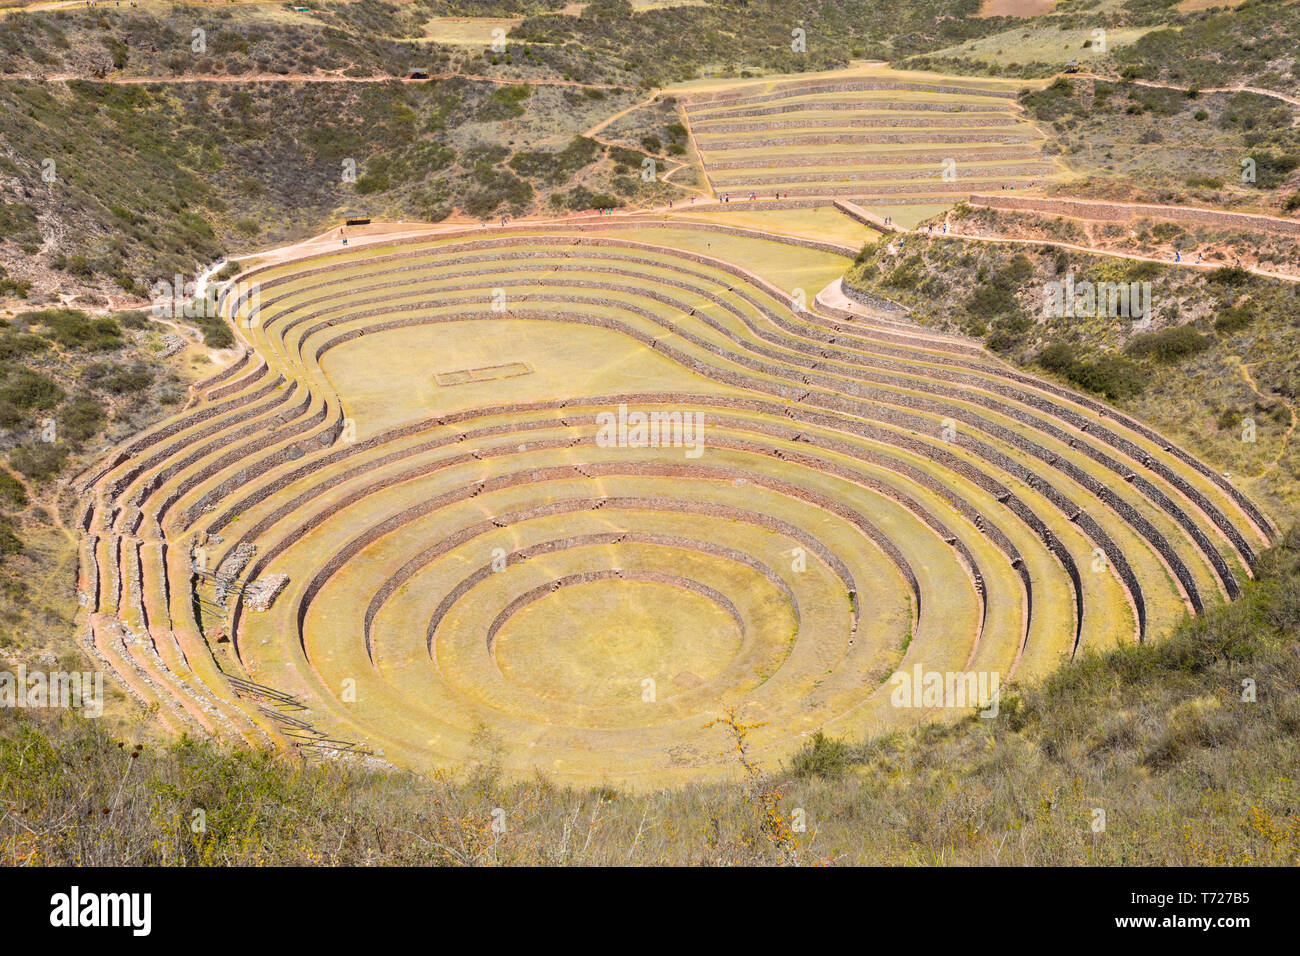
x: 469, y: 31
x: 1045, y: 45
x: 822, y: 222
x: 1015, y: 8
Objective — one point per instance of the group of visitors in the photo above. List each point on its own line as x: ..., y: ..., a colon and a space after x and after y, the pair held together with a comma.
x: 726, y: 197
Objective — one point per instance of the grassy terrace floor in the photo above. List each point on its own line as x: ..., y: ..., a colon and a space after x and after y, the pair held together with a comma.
x: 414, y: 439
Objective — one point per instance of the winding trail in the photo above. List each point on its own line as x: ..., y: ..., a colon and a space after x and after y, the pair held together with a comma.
x: 1092, y: 250
x: 1240, y: 88
x: 1277, y: 225
x: 1290, y: 406
x: 297, y: 78
x: 591, y: 133
x: 33, y: 497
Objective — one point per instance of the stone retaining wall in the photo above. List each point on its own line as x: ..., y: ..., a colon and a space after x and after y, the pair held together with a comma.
x: 872, y: 301
x: 909, y: 157
x: 921, y: 106
x: 870, y: 177
x: 870, y: 139
x: 857, y: 122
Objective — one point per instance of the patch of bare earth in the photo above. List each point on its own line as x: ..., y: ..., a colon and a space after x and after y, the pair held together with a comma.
x: 1015, y: 8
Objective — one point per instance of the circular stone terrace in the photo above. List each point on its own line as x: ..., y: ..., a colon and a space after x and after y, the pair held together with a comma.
x: 424, y: 510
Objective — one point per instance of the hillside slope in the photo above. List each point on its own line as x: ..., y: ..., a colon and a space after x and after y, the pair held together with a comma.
x: 1188, y: 766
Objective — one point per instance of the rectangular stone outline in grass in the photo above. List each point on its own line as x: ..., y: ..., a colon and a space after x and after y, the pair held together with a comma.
x: 489, y: 373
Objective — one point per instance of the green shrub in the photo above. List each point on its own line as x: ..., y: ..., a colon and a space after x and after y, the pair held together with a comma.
x: 73, y: 329
x: 132, y: 320
x: 216, y: 334
x: 41, y: 461
x: 77, y: 265
x: 12, y: 286
x: 12, y: 491
x: 1052, y: 103
x: 501, y: 188
x: 580, y: 199
x: 555, y: 168
x: 907, y: 274
x: 118, y: 379
x: 825, y: 757
x: 80, y: 418
x: 1110, y: 375
x: 15, y: 344
x: 10, y: 543
x: 1229, y: 275
x: 990, y: 300
x: 1007, y: 331
x: 1235, y: 318
x: 1271, y: 169
x: 1168, y: 345
x: 503, y: 103
x: 18, y: 223
x: 28, y: 389
x: 1141, y: 271
x: 118, y: 50
x: 373, y: 183
x: 1056, y: 357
